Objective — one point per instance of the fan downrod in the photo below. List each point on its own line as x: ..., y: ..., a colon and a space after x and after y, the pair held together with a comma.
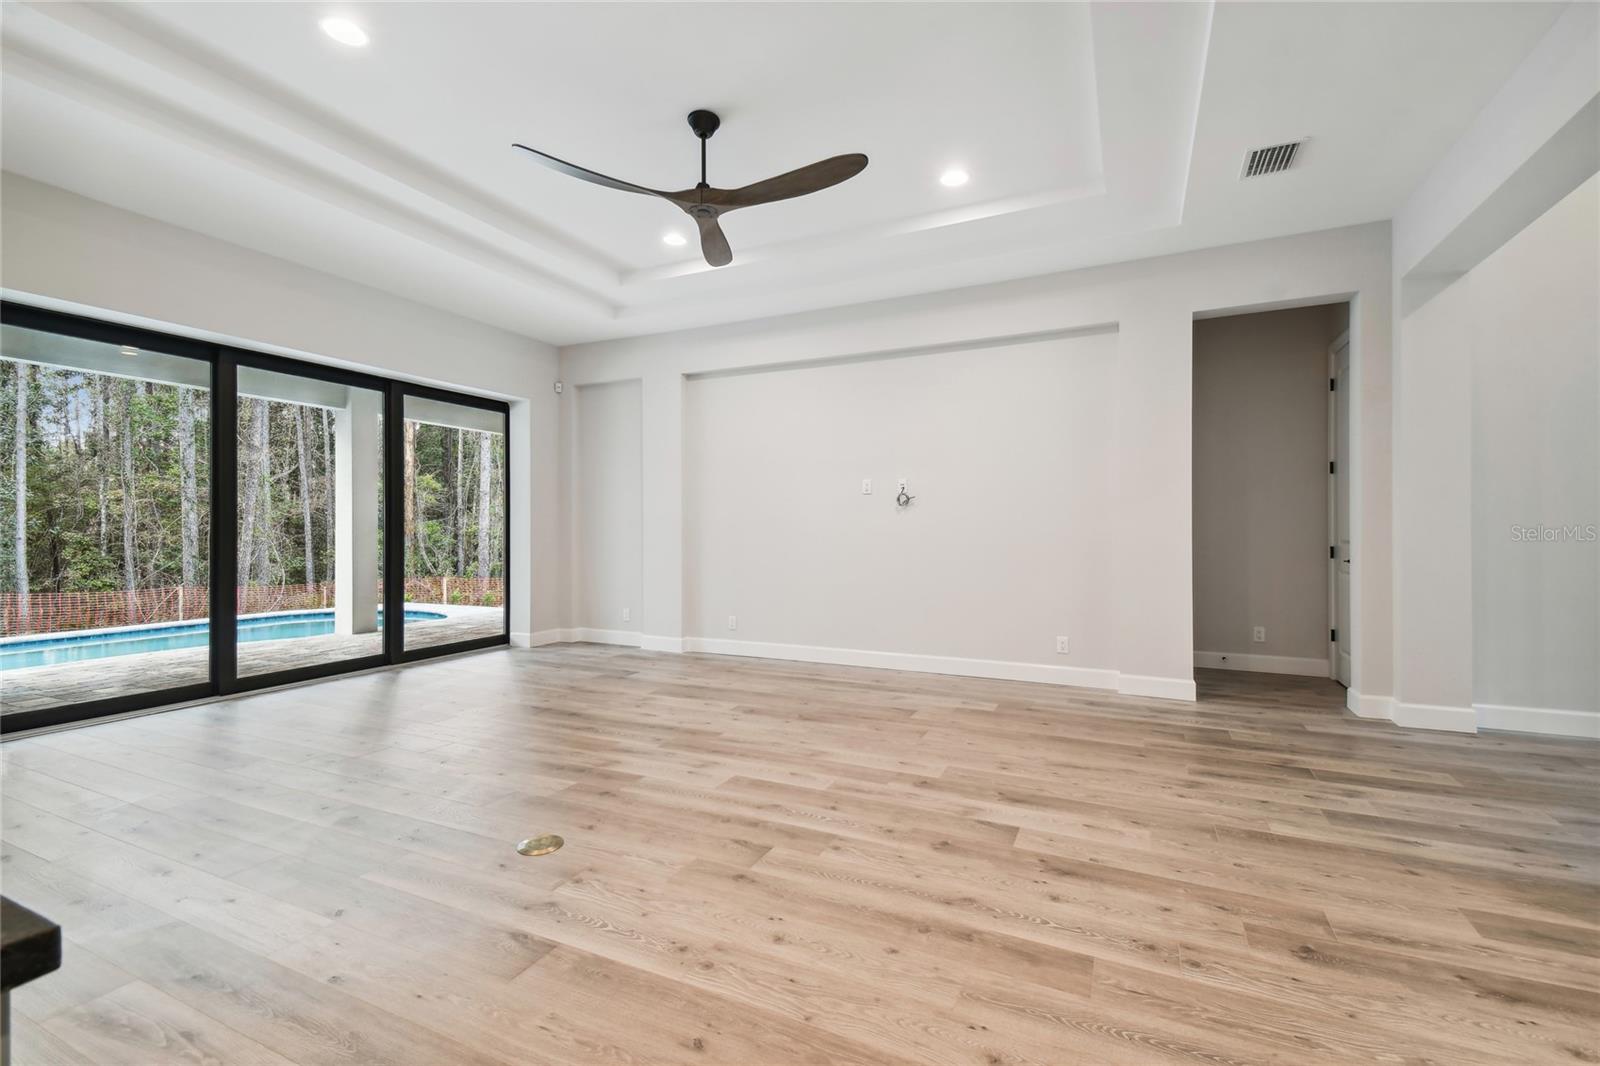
x: 704, y: 123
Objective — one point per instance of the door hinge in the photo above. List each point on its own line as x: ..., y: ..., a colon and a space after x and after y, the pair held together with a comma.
x: 1333, y: 384
x: 1333, y: 551
x: 1331, y: 467
x: 1333, y: 636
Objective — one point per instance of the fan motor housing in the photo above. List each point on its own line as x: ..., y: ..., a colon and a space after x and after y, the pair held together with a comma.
x: 704, y: 123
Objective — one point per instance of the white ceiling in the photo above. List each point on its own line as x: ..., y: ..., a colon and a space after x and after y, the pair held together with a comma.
x: 1093, y: 133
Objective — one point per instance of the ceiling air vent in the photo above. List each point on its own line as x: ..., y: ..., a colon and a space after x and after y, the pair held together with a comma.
x: 1271, y: 159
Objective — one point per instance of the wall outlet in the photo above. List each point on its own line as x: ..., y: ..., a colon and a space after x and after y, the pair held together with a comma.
x: 1259, y: 635
x: 627, y: 614
x: 866, y: 486
x: 733, y: 621
x: 1061, y: 645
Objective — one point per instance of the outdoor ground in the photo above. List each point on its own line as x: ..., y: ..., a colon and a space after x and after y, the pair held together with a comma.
x: 52, y: 686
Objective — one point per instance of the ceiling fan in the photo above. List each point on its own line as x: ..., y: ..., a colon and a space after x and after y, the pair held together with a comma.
x: 704, y: 203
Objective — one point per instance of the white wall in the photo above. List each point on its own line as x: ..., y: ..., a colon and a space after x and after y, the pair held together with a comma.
x: 1497, y: 479
x: 1007, y: 544
x: 1261, y: 489
x: 608, y: 533
x: 1536, y: 463
x: 1433, y: 515
x: 70, y: 253
x: 1152, y: 305
x: 1496, y: 408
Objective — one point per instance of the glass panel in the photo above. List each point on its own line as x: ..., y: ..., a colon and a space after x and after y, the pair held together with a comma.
x: 310, y: 535
x: 455, y: 492
x: 105, y: 487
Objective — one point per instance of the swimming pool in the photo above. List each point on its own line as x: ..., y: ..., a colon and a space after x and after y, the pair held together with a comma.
x: 134, y: 640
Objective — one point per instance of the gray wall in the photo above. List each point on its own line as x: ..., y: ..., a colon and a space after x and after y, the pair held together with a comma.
x: 1008, y: 544
x: 608, y: 510
x: 1536, y: 463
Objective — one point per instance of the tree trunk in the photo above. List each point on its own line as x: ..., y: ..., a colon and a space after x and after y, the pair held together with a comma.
x: 300, y: 416
x: 485, y: 495
x: 328, y: 488
x: 21, y: 472
x: 459, y: 502
x: 250, y: 480
x: 73, y: 409
x: 102, y: 452
x: 130, y: 573
x: 187, y: 491
x: 409, y: 487
x: 452, y: 487
x: 265, y: 528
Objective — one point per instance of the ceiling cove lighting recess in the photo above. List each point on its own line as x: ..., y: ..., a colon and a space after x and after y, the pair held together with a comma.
x: 674, y: 238
x: 344, y: 31
x: 954, y: 178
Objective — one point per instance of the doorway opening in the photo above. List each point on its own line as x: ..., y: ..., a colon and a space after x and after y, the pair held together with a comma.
x: 1271, y: 492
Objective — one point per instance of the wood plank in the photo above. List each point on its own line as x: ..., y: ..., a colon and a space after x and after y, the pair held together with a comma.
x: 785, y: 862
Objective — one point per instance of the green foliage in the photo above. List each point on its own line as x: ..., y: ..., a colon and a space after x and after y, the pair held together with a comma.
x: 77, y: 500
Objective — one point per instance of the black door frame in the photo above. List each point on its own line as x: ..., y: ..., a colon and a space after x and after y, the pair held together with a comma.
x: 225, y: 361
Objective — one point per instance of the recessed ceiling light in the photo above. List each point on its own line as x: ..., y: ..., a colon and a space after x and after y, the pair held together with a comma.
x: 953, y: 178
x: 674, y: 238
x: 345, y: 32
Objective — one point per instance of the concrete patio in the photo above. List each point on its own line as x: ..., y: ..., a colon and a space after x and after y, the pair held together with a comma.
x: 40, y: 687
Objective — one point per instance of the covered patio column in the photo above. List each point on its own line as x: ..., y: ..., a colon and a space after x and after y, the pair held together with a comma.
x: 358, y: 450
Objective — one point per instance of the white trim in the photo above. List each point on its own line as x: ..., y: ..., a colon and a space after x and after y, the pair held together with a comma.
x: 675, y: 645
x: 1341, y: 342
x: 626, y: 638
x: 1434, y: 716
x: 1161, y: 688
x: 1082, y: 677
x: 1379, y: 707
x: 1262, y: 664
x: 542, y: 638
x: 1548, y: 720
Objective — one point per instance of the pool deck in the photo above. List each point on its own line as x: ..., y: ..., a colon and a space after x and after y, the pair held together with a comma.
x: 39, y: 687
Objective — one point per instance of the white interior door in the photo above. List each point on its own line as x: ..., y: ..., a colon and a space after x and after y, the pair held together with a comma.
x: 1339, y: 429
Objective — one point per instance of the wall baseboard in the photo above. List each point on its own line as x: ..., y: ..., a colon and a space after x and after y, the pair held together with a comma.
x: 1548, y: 721
x: 1362, y: 706
x: 1161, y: 688
x: 1434, y: 716
x: 1262, y: 664
x: 625, y: 638
x: 997, y: 669
x: 1551, y: 721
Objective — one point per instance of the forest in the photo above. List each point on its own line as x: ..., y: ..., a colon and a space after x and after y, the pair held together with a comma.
x: 105, y: 503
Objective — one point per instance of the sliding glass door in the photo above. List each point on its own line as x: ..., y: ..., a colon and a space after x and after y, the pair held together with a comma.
x: 455, y: 523
x: 180, y: 519
x: 309, y: 559
x: 105, y: 490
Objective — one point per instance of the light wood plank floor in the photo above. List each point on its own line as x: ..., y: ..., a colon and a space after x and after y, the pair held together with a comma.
x: 774, y: 863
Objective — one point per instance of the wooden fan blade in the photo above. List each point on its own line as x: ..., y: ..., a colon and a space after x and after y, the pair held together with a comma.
x: 588, y: 175
x: 713, y: 242
x: 807, y: 179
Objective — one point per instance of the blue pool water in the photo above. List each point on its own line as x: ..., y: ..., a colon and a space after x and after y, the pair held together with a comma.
x: 98, y: 644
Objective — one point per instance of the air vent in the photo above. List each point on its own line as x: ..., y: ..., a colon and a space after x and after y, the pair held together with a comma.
x: 1270, y: 160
